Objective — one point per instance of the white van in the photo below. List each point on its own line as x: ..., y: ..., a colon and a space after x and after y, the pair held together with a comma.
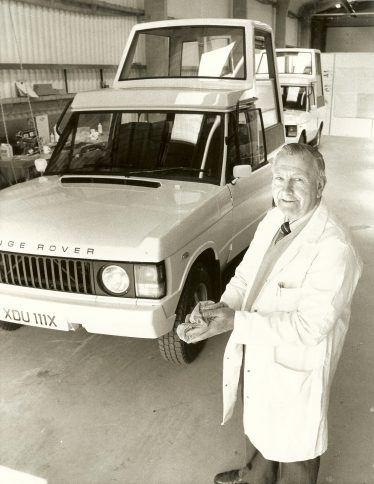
x: 300, y: 76
x: 154, y: 187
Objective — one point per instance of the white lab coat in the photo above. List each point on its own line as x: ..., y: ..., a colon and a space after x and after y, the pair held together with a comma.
x: 293, y: 335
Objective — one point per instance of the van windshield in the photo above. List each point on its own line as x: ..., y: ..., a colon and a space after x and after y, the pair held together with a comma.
x: 186, y: 51
x: 294, y: 62
x: 294, y: 97
x: 186, y: 146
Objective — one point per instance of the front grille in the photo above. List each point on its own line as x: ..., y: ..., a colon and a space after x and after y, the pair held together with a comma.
x: 52, y: 273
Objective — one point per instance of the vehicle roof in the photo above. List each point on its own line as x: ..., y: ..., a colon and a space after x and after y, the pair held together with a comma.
x: 297, y: 49
x: 201, y: 21
x: 211, y: 83
x: 160, y: 99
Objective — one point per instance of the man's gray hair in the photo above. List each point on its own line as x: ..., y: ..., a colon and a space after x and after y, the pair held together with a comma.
x: 304, y: 150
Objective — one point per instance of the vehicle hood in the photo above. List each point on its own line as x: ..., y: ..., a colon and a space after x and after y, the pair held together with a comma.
x: 293, y: 116
x: 105, y: 221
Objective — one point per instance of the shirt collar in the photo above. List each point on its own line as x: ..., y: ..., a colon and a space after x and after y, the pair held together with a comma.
x: 302, y: 220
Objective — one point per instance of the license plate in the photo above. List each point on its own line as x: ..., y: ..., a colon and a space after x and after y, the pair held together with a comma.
x: 45, y: 320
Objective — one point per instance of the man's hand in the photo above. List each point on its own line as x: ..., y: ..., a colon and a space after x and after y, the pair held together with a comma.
x: 221, y: 320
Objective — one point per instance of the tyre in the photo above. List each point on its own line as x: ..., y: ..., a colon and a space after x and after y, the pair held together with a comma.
x: 198, y: 287
x: 317, y: 139
x: 302, y: 139
x: 5, y: 326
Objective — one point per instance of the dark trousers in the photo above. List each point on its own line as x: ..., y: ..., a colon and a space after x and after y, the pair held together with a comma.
x: 262, y: 471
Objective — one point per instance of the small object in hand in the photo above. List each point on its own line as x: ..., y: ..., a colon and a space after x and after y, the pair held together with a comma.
x: 197, y: 320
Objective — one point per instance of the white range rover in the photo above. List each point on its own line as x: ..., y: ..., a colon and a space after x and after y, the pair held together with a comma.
x: 154, y: 187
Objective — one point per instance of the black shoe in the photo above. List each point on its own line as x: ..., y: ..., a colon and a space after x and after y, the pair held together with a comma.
x: 231, y: 477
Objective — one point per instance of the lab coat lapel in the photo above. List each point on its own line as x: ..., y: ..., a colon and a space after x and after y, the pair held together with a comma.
x: 307, y: 238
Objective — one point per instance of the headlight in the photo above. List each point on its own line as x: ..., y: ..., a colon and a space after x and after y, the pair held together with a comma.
x: 150, y: 280
x: 115, y: 280
x: 291, y: 131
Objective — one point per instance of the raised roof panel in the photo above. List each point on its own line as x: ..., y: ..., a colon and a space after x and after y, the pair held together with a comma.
x: 211, y: 53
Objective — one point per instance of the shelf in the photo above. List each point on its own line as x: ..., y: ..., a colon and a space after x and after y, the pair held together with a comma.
x: 21, y: 100
x: 11, y: 65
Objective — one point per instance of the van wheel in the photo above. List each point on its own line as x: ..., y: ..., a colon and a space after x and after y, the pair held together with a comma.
x: 302, y: 139
x: 5, y: 326
x: 198, y: 287
x: 317, y: 139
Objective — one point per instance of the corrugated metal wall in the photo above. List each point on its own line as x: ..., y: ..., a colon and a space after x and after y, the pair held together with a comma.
x: 34, y: 34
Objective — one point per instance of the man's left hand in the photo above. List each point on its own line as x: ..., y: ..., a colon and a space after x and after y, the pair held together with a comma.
x: 221, y: 320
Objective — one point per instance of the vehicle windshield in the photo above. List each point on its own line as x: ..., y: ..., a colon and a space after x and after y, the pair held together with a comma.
x: 186, y: 51
x: 294, y: 97
x: 287, y: 63
x: 294, y: 62
x: 184, y: 146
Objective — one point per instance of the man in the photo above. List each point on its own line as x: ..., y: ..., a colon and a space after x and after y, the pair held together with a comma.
x: 288, y: 306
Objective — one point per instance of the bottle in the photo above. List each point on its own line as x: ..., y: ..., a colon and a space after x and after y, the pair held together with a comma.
x: 100, y: 128
x: 51, y: 138
x: 6, y: 151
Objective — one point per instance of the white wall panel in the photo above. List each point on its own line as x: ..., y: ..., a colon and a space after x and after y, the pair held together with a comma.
x: 351, y: 105
x: 261, y: 12
x: 199, y: 9
x: 292, y: 29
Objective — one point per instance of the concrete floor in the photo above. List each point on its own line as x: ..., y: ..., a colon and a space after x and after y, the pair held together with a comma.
x: 77, y: 408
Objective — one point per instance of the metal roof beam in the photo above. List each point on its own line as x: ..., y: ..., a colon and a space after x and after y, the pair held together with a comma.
x: 95, y: 7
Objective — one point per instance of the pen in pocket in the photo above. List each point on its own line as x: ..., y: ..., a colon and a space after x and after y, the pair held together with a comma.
x: 279, y: 288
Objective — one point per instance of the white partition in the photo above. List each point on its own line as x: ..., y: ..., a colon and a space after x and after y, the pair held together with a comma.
x: 349, y: 92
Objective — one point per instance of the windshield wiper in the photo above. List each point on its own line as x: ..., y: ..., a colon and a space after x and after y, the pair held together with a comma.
x: 166, y: 169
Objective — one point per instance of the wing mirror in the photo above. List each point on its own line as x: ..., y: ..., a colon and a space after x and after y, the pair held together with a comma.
x: 241, y: 171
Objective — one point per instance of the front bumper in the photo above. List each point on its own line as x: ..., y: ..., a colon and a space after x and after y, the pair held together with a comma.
x: 96, y: 314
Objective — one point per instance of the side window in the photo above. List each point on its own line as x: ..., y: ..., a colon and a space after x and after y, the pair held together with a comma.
x: 266, y: 78
x: 246, y: 145
x: 244, y: 140
x: 258, y: 152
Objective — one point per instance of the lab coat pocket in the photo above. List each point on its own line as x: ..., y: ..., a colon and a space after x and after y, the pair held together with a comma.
x: 291, y: 383
x: 287, y: 298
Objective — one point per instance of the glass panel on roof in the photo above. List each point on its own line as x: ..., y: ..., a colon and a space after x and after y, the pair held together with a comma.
x: 186, y: 51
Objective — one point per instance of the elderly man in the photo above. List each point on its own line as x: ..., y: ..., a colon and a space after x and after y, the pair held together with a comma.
x: 288, y: 306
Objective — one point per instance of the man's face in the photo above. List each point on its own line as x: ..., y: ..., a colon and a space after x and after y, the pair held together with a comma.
x: 296, y: 186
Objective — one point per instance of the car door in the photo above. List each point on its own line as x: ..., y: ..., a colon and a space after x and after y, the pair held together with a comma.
x: 251, y: 196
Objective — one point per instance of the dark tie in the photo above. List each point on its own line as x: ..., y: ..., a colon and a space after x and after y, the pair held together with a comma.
x: 285, y: 228
x: 283, y: 231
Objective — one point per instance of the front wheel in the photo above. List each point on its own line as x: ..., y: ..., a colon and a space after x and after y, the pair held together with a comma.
x: 198, y: 287
x: 317, y: 139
